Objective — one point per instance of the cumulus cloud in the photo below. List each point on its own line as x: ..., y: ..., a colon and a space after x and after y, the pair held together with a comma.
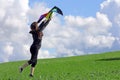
x: 13, y: 28
x: 111, y: 9
x: 7, y: 49
x: 76, y: 36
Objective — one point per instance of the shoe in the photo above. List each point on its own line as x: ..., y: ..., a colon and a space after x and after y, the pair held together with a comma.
x: 20, y: 69
x: 31, y: 75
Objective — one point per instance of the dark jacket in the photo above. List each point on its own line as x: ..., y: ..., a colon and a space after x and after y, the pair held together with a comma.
x: 36, y: 39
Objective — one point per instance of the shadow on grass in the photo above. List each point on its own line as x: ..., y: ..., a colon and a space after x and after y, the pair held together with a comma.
x: 109, y: 59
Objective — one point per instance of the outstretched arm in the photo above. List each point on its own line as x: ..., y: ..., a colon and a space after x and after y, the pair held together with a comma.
x: 43, y: 25
x: 41, y: 17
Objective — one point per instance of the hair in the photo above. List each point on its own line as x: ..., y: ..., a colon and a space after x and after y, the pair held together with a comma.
x: 33, y: 25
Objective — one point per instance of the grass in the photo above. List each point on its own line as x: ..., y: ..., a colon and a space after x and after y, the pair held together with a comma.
x: 105, y: 66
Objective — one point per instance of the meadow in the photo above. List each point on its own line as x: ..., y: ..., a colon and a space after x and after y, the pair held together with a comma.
x: 104, y: 66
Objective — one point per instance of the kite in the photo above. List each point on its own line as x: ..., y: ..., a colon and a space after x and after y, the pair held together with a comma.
x: 49, y: 14
x: 47, y: 17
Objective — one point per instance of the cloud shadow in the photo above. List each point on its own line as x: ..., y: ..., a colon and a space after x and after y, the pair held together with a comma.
x: 109, y: 59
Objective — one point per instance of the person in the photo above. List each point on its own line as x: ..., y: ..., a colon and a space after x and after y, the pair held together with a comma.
x: 37, y: 35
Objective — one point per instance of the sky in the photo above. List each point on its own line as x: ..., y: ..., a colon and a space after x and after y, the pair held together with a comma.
x: 76, y: 8
x: 87, y: 27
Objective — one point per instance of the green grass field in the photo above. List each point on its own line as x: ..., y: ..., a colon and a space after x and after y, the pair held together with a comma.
x: 105, y: 66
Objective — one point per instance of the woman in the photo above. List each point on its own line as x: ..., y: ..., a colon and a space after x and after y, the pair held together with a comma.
x: 37, y: 35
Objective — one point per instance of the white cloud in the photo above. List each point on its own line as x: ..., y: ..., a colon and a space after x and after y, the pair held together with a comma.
x: 97, y: 25
x: 13, y: 28
x: 45, y: 54
x: 117, y: 20
x: 100, y: 41
x: 112, y: 3
x: 8, y: 49
x: 111, y: 9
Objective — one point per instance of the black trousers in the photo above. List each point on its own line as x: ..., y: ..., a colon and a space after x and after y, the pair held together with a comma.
x: 34, y: 53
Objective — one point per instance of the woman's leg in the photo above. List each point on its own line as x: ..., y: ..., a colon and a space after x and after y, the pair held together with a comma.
x: 23, y: 66
x: 33, y: 60
x: 32, y: 71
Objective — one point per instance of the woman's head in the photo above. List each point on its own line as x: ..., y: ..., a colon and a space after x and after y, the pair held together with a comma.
x: 34, y: 26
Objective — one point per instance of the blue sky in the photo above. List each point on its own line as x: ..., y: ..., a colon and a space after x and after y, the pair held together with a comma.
x: 83, y: 8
